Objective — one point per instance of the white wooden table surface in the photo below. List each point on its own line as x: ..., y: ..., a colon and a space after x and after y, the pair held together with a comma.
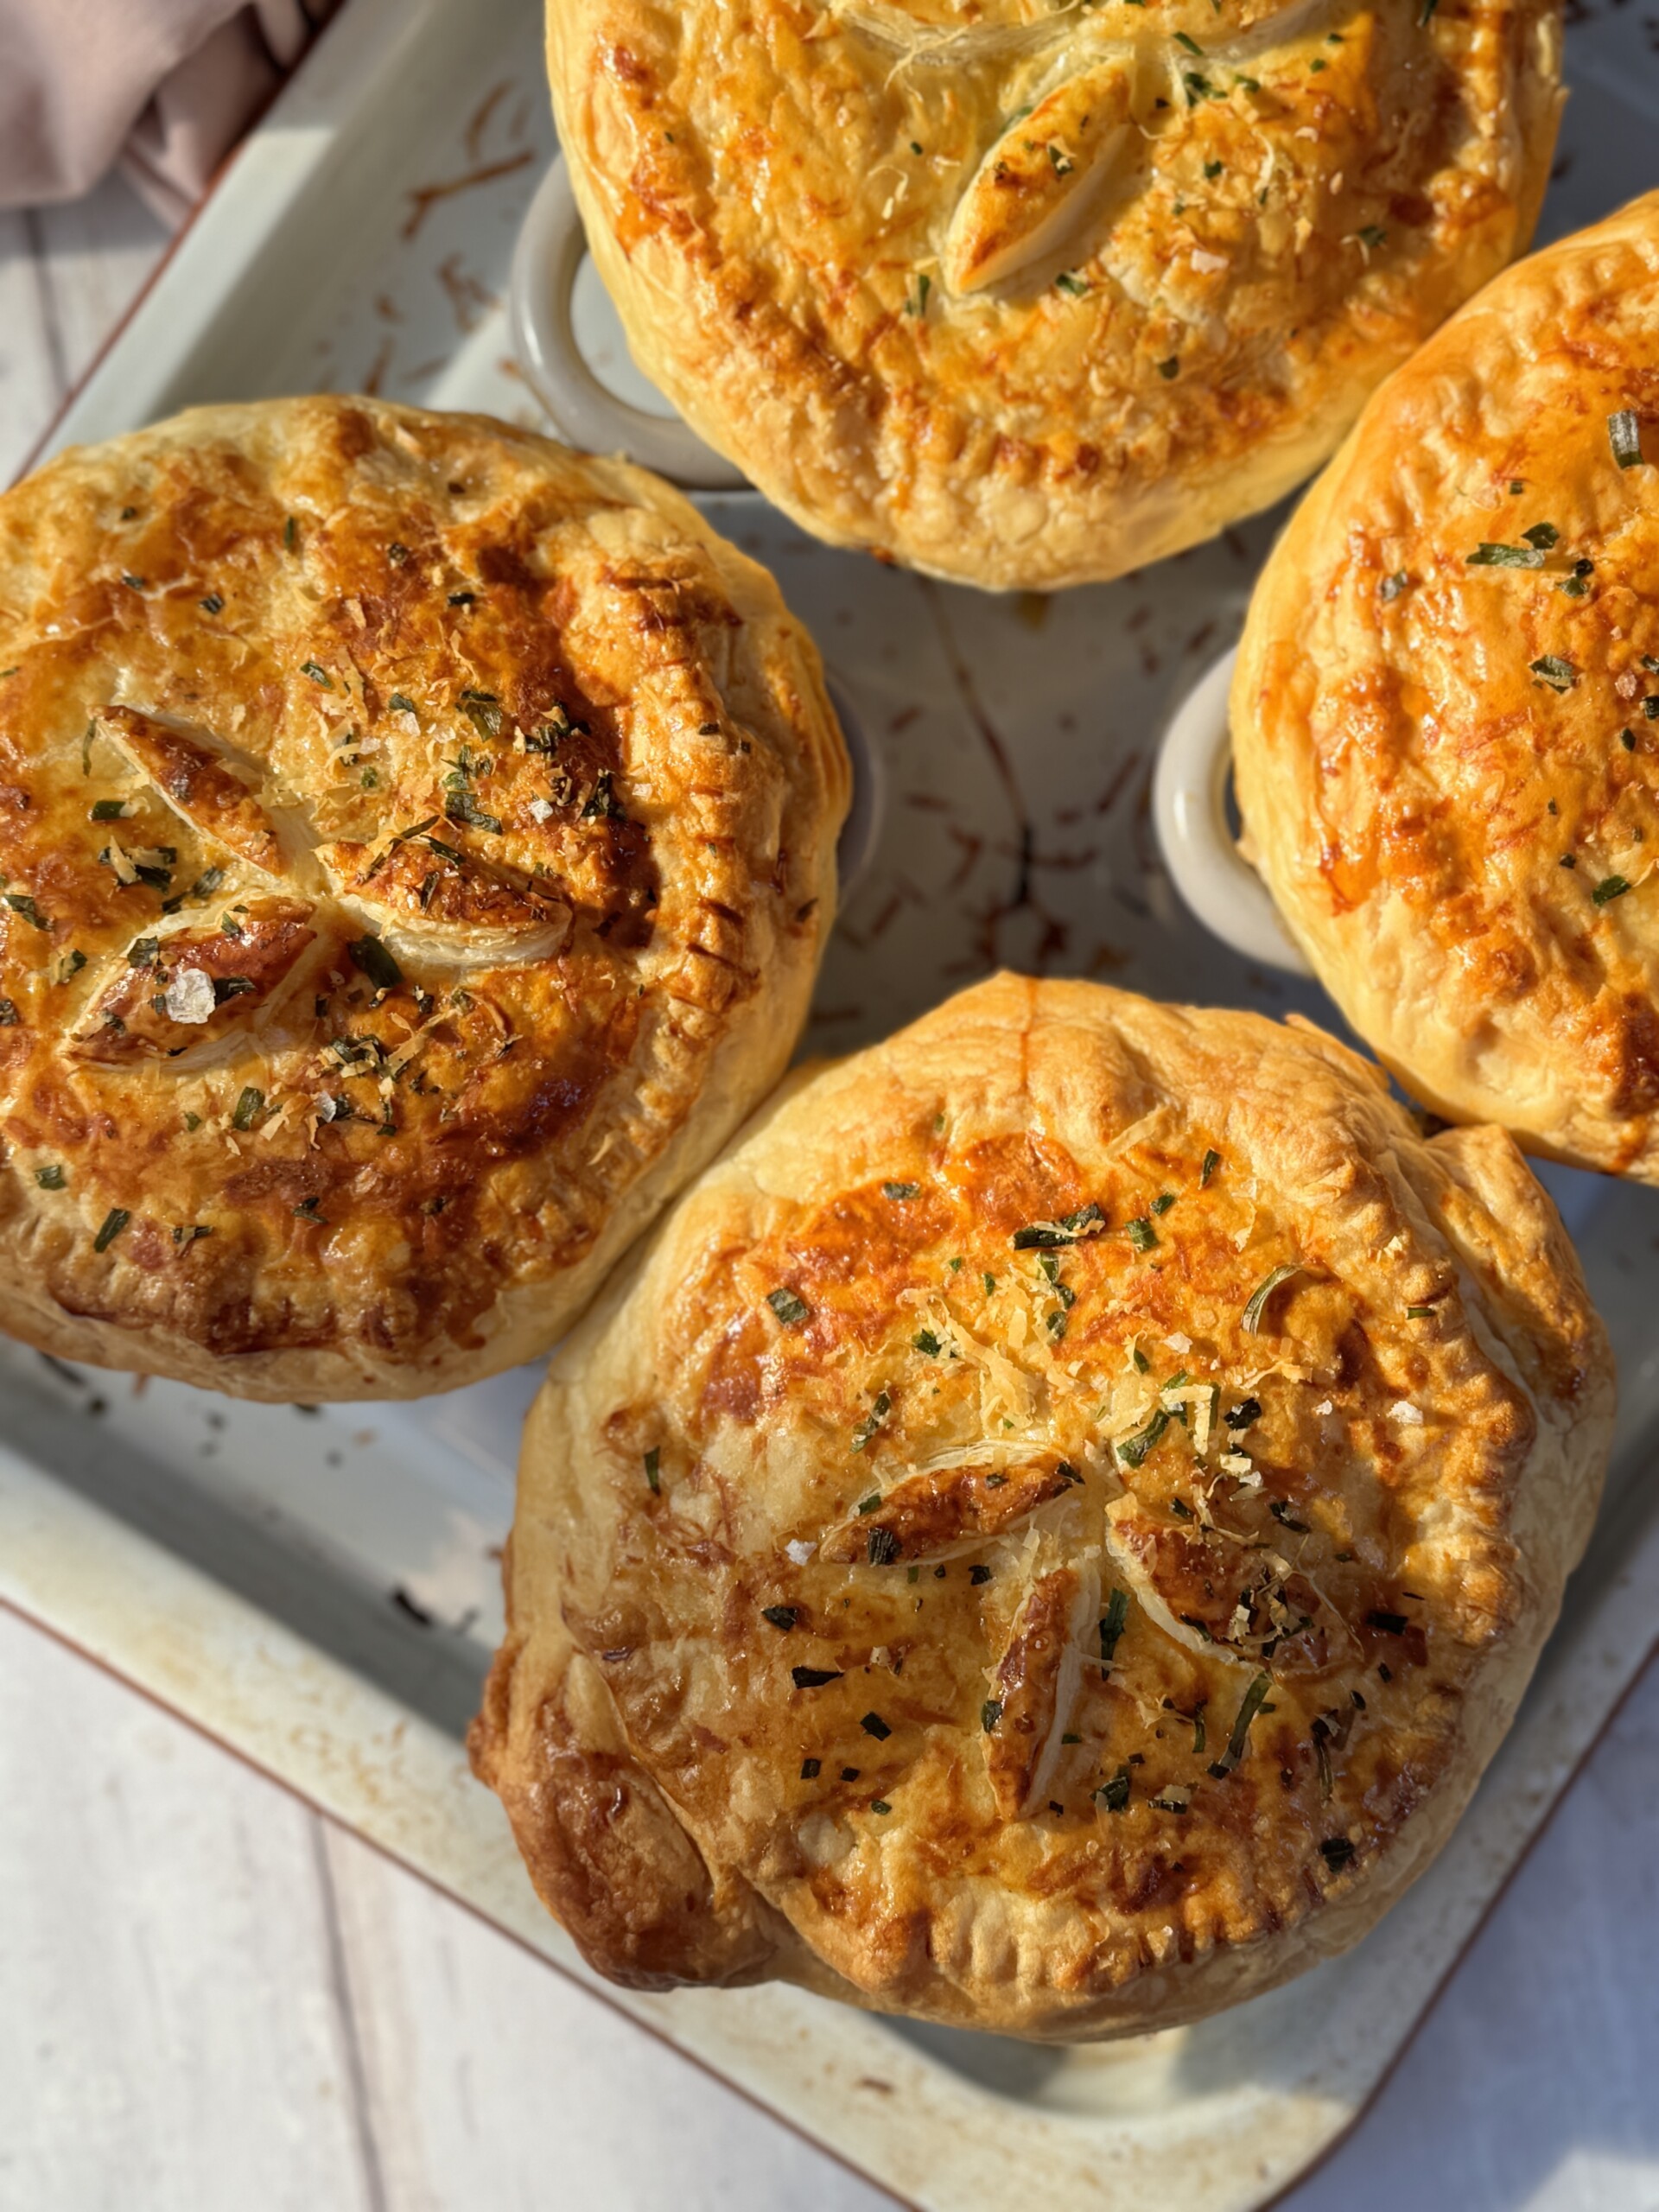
x: 212, y: 2000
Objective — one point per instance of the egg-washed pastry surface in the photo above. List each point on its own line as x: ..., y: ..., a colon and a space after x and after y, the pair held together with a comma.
x: 1029, y: 295
x: 416, y: 842
x: 1049, y: 1532
x: 1446, y: 714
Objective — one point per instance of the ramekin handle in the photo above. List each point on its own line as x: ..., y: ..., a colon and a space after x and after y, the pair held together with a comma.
x: 1189, y: 802
x: 544, y: 266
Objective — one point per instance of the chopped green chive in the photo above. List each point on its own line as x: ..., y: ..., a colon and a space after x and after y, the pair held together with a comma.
x: 114, y: 1222
x: 1610, y: 887
x: 1249, y: 1706
x: 1112, y: 1624
x: 790, y: 1309
x: 1551, y: 669
x: 872, y: 1422
x: 1624, y: 434
x: 1115, y: 1794
x: 653, y: 1459
x: 1133, y: 1450
x: 1255, y: 1311
x: 375, y: 958
x: 1504, y: 556
x: 51, y: 1179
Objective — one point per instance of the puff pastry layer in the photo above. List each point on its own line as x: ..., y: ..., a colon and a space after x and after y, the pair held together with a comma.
x: 417, y: 843
x: 1029, y: 295
x: 1446, y: 714
x: 1049, y: 1533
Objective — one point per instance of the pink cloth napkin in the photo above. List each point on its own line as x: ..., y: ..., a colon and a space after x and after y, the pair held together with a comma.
x: 165, y: 87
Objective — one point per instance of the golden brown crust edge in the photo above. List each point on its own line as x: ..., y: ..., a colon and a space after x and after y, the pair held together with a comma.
x: 632, y: 889
x: 1445, y: 768
x: 981, y: 1948
x: 984, y: 440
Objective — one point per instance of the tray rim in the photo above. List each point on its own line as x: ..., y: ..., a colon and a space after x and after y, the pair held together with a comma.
x: 350, y: 46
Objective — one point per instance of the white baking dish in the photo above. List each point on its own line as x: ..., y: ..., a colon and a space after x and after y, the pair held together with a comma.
x: 318, y: 1589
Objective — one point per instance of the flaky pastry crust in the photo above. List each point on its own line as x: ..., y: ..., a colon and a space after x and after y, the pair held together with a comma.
x: 1446, y: 714
x: 1052, y: 1529
x: 1029, y: 296
x: 417, y: 844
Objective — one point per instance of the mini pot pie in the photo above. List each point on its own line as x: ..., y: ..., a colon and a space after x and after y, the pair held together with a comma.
x: 1027, y: 295
x: 1445, y: 712
x: 1049, y: 1533
x: 416, y: 844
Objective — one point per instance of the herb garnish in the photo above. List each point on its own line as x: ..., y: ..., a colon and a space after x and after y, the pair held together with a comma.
x: 1255, y: 1311
x: 1551, y: 669
x: 810, y: 1770
x: 790, y: 1309
x: 874, y: 1724
x: 899, y: 1191
x: 872, y: 1422
x: 318, y: 675
x: 1336, y: 1850
x: 1074, y: 287
x: 1504, y: 556
x: 249, y: 1108
x: 882, y: 1548
x: 926, y: 1343
x: 50, y: 1178
x: 1624, y: 434
x: 814, y: 1678
x: 1387, y: 1623
x: 374, y: 957
x: 1249, y: 1706
x: 783, y: 1617
x: 1113, y: 1622
x: 114, y: 1222
x: 1133, y: 1450
x: 20, y: 903
x: 1610, y: 887
x: 1069, y: 1229
x: 1141, y: 1233
x: 1115, y: 1794
x: 653, y: 1474
x: 9, y: 1013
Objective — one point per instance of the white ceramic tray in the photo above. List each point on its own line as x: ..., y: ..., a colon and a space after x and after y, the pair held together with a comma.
x: 318, y: 1590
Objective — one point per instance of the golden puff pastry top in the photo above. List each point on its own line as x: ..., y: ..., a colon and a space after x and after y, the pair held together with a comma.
x: 416, y: 842
x: 1049, y: 1534
x: 1447, y: 710
x: 1026, y: 294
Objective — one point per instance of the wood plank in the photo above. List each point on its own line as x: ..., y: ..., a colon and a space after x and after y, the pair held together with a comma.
x: 30, y: 385
x: 171, y: 2032
x: 94, y: 255
x: 491, y: 2080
